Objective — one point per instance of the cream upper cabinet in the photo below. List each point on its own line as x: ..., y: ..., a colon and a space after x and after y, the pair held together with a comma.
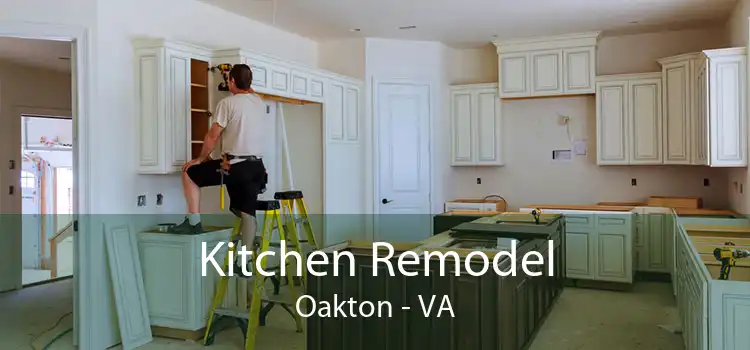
x: 476, y: 125
x: 727, y: 107
x: 164, y: 85
x: 705, y: 108
x: 678, y: 108
x: 629, y: 119
x: 547, y: 66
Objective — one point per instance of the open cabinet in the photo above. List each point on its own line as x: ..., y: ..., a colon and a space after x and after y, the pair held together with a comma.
x: 199, y: 105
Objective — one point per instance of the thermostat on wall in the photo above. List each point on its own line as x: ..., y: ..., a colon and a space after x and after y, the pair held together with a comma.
x: 561, y: 155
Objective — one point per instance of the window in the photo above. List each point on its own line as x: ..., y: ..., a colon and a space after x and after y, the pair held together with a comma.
x: 28, y: 180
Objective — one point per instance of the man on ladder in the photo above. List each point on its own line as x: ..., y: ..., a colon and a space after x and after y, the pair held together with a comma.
x: 239, y: 125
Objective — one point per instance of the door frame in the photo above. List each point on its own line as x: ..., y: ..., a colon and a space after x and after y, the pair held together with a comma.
x: 85, y: 317
x: 374, y: 145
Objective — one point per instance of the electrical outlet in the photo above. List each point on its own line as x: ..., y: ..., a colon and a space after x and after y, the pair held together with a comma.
x: 706, y: 183
x: 142, y: 200
x: 563, y: 119
x: 479, y: 181
x: 159, y: 198
x: 633, y: 182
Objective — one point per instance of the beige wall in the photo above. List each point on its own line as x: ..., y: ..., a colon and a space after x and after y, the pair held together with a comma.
x: 346, y: 57
x: 532, y: 133
x: 304, y: 129
x: 737, y: 30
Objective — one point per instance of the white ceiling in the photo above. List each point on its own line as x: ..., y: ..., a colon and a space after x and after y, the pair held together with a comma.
x: 465, y: 23
x: 36, y: 53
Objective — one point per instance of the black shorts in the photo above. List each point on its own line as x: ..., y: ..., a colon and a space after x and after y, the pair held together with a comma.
x: 245, y: 181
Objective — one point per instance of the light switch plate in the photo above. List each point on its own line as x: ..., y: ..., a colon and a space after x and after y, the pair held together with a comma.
x: 580, y: 147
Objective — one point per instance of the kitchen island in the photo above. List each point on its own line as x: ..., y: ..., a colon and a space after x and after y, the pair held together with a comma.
x: 490, y: 310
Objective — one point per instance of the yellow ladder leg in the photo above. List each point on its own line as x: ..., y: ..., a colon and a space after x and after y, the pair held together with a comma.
x: 258, y: 279
x: 290, y: 229
x: 293, y: 240
x: 221, y: 288
x: 306, y: 224
x: 290, y: 282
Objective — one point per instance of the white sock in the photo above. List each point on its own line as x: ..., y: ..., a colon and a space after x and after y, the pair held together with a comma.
x: 194, y: 219
x: 249, y: 230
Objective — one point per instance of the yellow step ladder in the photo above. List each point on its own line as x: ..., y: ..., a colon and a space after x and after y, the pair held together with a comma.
x: 249, y: 320
x: 289, y: 200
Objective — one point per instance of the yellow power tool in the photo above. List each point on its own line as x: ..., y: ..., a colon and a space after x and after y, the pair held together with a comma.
x: 728, y: 257
x: 536, y: 213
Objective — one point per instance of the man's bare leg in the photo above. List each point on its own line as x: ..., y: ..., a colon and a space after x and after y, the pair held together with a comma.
x: 193, y: 197
x: 192, y: 224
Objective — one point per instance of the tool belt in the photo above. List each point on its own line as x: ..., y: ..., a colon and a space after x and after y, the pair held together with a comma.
x: 231, y: 156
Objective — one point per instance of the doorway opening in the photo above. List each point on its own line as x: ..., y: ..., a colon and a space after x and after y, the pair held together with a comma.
x: 46, y: 197
x: 41, y: 89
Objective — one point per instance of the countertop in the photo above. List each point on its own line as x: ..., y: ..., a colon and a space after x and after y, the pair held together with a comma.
x: 581, y: 207
x: 603, y: 206
x: 717, y: 228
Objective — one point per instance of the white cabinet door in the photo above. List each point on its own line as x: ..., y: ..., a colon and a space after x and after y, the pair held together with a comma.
x: 149, y: 70
x: 462, y: 149
x: 677, y: 112
x: 579, y: 252
x: 614, y: 248
x: 645, y: 114
x: 579, y: 71
x: 612, y: 122
x: 699, y: 124
x: 163, y: 109
x: 514, y: 73
x: 727, y: 101
x: 488, y: 124
x: 546, y: 72
x: 658, y: 243
x: 476, y: 125
x: 178, y: 109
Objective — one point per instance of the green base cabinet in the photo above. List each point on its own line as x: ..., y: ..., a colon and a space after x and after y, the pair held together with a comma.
x: 599, y: 244
x: 492, y: 312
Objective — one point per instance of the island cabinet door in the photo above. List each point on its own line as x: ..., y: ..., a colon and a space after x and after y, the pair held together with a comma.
x: 378, y: 331
x: 472, y: 300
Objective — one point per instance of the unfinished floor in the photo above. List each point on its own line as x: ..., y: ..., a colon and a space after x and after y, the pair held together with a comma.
x: 582, y: 319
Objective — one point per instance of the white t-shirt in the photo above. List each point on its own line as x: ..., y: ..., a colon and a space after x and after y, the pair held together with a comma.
x: 243, y: 117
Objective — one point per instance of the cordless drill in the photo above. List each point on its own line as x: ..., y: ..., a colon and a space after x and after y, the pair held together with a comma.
x: 224, y: 68
x: 728, y: 257
x: 536, y: 213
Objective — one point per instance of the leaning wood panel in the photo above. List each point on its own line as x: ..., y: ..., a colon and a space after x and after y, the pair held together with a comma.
x: 127, y: 283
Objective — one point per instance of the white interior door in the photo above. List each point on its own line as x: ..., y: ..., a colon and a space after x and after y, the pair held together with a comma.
x: 402, y: 114
x: 31, y: 219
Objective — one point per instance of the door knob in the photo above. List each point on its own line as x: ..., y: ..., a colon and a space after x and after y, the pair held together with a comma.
x: 386, y: 201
